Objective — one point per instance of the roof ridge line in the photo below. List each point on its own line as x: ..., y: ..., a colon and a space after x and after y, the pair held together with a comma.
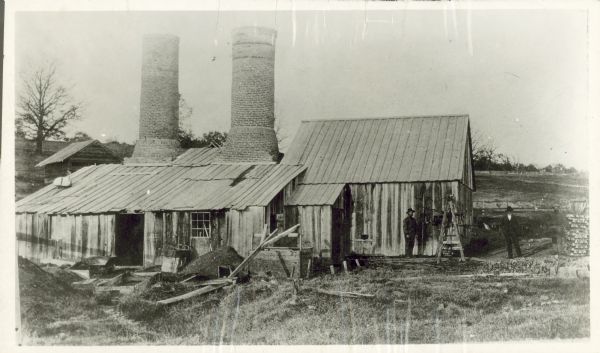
x: 390, y: 118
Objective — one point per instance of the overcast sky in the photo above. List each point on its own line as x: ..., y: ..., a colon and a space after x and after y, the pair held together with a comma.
x: 521, y: 75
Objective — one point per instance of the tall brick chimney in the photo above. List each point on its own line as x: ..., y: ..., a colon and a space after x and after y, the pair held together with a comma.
x: 159, y: 102
x: 252, y: 136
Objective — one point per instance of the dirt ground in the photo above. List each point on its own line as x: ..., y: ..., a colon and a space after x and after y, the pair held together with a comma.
x: 413, y: 301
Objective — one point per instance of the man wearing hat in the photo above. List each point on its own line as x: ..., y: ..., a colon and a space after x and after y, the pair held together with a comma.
x: 410, y: 232
x: 511, y: 229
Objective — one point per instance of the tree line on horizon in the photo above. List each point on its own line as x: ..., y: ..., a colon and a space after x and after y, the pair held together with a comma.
x: 486, y: 157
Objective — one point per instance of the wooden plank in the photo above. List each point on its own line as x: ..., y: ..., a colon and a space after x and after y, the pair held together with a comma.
x: 149, y: 242
x: 253, y: 254
x: 344, y: 294
x: 194, y: 293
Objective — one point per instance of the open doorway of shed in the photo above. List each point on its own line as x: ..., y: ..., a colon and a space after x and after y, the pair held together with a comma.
x: 341, y: 222
x: 129, y: 239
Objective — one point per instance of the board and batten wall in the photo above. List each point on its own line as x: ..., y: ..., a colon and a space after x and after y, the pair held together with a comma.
x: 379, y: 211
x: 65, y: 237
x: 43, y: 237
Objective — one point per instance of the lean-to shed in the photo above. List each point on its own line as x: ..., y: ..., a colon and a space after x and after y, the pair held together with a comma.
x: 363, y: 174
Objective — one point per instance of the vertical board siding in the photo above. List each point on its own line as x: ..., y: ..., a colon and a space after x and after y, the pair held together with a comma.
x: 379, y: 211
x: 149, y: 239
x: 316, y: 229
x: 42, y: 237
x: 242, y: 226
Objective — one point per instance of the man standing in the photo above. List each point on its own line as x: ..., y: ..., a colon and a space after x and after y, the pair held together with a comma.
x: 410, y: 232
x: 510, y: 228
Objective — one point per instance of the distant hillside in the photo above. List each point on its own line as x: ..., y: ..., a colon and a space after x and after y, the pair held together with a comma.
x: 542, y: 191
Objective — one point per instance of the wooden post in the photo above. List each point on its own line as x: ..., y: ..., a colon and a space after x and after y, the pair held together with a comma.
x: 332, y: 270
x: 309, y: 268
x: 293, y: 272
x: 345, y: 266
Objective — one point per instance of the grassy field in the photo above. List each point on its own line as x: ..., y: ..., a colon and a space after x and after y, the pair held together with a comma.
x: 434, y: 308
x: 543, y: 191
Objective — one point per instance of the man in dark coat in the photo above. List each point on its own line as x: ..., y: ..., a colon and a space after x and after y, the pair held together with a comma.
x: 511, y: 229
x: 410, y: 232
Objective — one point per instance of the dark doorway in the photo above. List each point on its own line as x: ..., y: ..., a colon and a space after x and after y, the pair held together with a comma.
x: 341, y: 214
x: 129, y: 239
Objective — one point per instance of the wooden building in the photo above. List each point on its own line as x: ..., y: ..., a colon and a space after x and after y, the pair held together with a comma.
x: 74, y: 157
x: 133, y: 212
x: 348, y: 183
x: 362, y: 175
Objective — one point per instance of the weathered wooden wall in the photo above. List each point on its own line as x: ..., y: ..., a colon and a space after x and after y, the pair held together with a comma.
x: 241, y: 227
x: 67, y: 237
x: 315, y: 228
x: 73, y: 237
x: 379, y: 209
x: 168, y: 229
x: 282, y: 261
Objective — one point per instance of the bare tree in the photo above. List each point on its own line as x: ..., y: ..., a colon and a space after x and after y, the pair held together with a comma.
x: 484, y: 151
x: 44, y: 107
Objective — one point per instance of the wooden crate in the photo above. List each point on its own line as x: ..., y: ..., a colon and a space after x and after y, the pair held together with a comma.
x: 282, y: 261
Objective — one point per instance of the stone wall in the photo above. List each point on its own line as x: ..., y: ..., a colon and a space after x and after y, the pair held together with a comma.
x: 252, y: 137
x: 159, y: 100
x: 577, y: 238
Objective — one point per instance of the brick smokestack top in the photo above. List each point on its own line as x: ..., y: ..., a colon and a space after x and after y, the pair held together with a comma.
x: 159, y: 101
x: 252, y: 138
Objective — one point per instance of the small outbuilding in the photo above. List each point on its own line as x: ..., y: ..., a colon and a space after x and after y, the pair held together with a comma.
x: 76, y: 156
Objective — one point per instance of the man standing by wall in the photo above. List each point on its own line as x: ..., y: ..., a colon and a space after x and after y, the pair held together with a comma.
x: 410, y: 232
x: 511, y: 229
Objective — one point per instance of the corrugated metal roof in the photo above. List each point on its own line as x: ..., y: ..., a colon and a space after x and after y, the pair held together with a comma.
x: 125, y: 188
x: 196, y: 157
x: 315, y: 194
x: 406, y: 149
x: 68, y: 151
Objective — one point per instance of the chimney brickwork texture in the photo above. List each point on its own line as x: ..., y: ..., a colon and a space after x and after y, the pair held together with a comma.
x: 159, y: 101
x: 252, y: 136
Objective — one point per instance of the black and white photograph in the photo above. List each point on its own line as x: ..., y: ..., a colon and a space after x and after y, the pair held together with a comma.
x: 285, y: 173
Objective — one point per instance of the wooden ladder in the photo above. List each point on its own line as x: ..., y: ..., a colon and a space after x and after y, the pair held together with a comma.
x: 451, y: 236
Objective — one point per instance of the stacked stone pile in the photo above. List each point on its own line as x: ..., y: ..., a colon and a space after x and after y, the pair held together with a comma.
x: 577, y: 239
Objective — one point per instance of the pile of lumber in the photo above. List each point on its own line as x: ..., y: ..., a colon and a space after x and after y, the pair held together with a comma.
x: 577, y: 239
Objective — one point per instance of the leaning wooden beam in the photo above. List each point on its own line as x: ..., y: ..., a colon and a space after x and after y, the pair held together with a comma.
x: 194, y: 293
x: 189, y: 278
x: 271, y: 239
x: 280, y: 235
x: 251, y: 256
x: 212, y: 282
x: 345, y: 294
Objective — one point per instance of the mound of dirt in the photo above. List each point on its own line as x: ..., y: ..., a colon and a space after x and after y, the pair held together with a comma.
x: 207, y: 265
x: 37, y: 284
x: 62, y: 274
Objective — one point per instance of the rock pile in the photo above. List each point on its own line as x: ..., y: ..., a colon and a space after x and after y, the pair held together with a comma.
x: 577, y: 239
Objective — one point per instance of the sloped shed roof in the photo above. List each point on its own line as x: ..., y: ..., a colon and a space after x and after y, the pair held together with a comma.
x: 196, y: 156
x: 407, y: 149
x: 71, y: 150
x: 125, y: 188
x: 315, y: 194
